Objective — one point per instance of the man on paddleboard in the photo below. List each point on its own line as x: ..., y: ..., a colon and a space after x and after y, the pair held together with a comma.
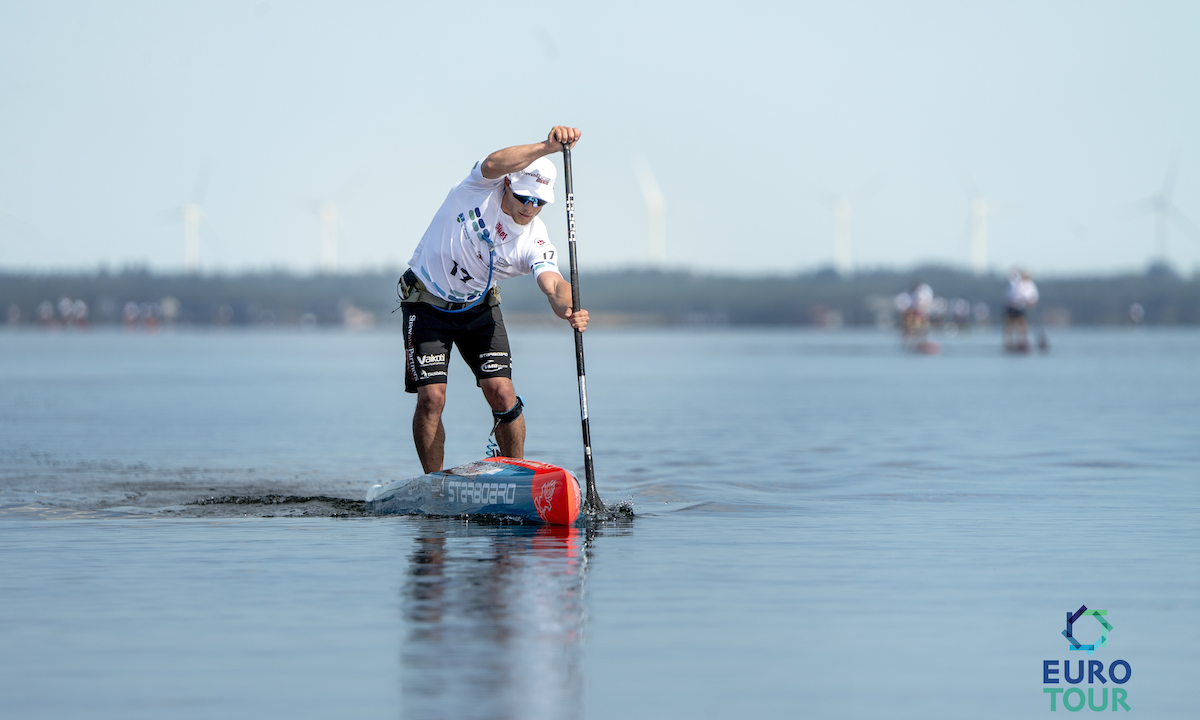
x: 1019, y: 299
x: 486, y: 230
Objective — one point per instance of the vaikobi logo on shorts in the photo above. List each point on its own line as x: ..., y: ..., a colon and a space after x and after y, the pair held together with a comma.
x: 1098, y: 676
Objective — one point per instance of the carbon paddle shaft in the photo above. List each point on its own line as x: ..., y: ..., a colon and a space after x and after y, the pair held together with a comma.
x: 593, y: 502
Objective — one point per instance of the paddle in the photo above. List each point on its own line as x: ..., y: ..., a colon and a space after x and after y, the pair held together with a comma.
x: 592, y: 503
x: 1043, y: 341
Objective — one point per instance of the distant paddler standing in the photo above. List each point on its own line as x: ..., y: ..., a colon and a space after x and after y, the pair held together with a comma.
x: 914, y: 307
x: 486, y: 230
x: 1019, y: 299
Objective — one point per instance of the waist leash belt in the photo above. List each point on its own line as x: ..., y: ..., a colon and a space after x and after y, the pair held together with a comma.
x: 411, y: 289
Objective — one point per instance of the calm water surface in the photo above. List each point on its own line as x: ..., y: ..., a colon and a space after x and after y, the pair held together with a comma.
x: 825, y: 528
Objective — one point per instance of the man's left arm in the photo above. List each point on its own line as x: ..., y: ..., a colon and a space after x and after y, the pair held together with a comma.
x: 558, y: 292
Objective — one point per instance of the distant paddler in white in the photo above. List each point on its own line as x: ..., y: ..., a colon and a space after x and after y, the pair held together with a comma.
x: 486, y: 230
x: 914, y: 307
x: 1020, y: 297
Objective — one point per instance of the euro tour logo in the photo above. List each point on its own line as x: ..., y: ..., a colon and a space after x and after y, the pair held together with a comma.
x: 1097, y: 697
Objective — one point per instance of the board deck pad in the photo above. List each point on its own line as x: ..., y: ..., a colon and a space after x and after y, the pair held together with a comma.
x: 500, y: 486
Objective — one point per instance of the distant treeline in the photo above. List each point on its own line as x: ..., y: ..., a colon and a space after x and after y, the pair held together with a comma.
x: 1156, y: 297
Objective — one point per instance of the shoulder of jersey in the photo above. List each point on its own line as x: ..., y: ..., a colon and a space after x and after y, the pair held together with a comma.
x: 494, y: 183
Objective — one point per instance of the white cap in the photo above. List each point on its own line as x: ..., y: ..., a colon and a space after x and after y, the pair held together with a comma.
x: 536, y: 180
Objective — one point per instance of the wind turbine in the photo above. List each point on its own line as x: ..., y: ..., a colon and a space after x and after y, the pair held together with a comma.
x: 1166, y: 212
x: 843, y: 231
x: 192, y: 215
x: 328, y: 213
x: 978, y: 210
x: 843, y: 235
x: 843, y: 207
x: 328, y: 216
x: 979, y: 217
x: 656, y: 212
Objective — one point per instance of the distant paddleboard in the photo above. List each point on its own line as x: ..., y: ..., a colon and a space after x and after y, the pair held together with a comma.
x: 525, y: 489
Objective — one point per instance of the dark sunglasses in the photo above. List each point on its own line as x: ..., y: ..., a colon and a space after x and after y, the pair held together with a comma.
x: 529, y: 199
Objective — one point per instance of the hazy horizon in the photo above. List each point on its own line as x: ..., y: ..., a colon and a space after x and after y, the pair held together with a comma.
x: 754, y: 119
x: 1186, y: 274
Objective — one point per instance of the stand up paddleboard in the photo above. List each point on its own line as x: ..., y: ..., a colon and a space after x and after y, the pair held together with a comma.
x: 498, y: 486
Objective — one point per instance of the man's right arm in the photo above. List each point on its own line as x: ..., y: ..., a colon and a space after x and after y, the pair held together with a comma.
x: 518, y: 157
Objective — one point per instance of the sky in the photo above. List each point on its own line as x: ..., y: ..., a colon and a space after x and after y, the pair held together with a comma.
x: 754, y: 117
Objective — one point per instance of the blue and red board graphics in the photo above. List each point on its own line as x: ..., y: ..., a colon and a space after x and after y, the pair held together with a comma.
x: 526, y: 489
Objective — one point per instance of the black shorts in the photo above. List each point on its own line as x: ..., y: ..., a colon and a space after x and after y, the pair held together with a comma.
x: 429, y: 333
x: 1014, y: 313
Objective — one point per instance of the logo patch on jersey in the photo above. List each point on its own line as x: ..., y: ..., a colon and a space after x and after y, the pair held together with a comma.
x: 500, y: 231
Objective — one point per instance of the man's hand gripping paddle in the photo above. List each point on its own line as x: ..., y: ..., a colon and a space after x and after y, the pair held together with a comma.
x: 592, y: 503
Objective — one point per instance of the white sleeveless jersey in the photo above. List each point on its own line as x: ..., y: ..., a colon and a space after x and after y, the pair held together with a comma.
x: 452, y: 258
x: 1021, y: 294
